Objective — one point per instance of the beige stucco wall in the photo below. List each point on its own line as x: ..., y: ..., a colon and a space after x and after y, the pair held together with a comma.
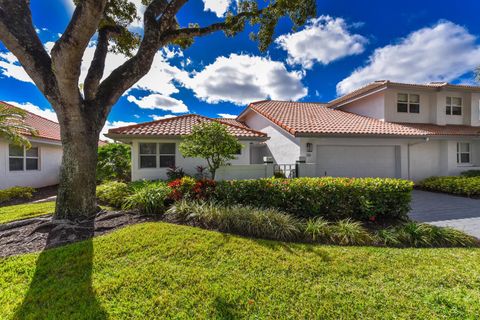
x: 47, y: 175
x: 371, y: 106
x: 187, y: 164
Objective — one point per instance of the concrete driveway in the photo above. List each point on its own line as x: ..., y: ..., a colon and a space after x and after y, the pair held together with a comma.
x: 446, y: 210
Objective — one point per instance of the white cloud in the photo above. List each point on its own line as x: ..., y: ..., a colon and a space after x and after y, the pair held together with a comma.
x: 46, y: 113
x: 241, y: 79
x: 69, y: 5
x: 10, y: 67
x: 219, y: 7
x: 158, y: 101
x: 324, y: 39
x: 111, y: 125
x: 443, y: 52
x: 167, y: 116
x: 227, y: 115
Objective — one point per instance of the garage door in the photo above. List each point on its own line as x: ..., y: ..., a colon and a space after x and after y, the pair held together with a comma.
x: 357, y: 161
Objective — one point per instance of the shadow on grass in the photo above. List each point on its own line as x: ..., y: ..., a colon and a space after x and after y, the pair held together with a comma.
x: 61, y: 287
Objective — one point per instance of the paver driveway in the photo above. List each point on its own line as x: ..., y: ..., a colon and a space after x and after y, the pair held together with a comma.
x: 446, y: 210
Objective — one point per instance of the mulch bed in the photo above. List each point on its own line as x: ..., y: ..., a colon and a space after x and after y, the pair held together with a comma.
x: 39, y: 194
x: 36, y: 234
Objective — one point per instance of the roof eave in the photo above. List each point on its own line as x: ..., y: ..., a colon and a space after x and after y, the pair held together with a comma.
x: 120, y: 136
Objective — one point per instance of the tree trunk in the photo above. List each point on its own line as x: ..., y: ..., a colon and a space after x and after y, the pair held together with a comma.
x: 76, y: 198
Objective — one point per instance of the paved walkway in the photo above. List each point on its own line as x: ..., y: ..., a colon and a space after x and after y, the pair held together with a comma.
x: 447, y: 210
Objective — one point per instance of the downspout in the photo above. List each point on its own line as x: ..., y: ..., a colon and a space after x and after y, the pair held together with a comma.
x: 425, y: 140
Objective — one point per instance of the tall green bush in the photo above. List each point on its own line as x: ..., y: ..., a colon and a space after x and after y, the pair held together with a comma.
x: 333, y: 198
x: 114, y: 162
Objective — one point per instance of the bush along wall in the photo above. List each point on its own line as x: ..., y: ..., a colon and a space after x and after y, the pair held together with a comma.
x: 332, y: 198
x: 465, y: 186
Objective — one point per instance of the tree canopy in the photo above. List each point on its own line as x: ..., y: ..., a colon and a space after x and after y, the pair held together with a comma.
x: 13, y: 126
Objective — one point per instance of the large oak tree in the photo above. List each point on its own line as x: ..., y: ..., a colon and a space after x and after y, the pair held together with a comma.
x: 82, y: 109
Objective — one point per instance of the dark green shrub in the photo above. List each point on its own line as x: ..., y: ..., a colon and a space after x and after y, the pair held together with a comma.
x: 470, y: 173
x: 148, y: 198
x: 261, y: 223
x: 174, y: 173
x: 113, y: 193
x: 333, y: 198
x: 465, y: 186
x: 114, y: 162
x: 16, y: 193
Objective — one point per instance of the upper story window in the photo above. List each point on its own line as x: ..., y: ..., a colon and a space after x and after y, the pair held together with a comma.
x: 408, y: 103
x: 454, y: 106
x: 157, y: 155
x: 463, y: 152
x: 23, y: 159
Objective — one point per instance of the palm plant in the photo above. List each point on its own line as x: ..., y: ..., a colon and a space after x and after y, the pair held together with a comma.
x: 13, y: 126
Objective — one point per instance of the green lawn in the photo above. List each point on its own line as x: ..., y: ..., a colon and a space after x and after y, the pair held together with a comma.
x: 158, y: 270
x: 24, y: 211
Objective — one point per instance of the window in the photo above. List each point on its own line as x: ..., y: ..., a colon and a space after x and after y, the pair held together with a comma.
x: 454, y: 106
x: 21, y: 159
x: 148, y: 155
x: 463, y: 152
x: 167, y: 155
x: 408, y: 103
x: 153, y: 155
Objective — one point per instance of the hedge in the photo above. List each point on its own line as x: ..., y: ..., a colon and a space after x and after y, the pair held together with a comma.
x: 333, y: 198
x: 465, y: 186
x: 16, y: 193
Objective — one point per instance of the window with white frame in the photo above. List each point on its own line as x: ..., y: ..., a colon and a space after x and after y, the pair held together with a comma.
x: 23, y: 159
x: 408, y: 103
x: 463, y: 152
x: 157, y: 155
x: 454, y: 106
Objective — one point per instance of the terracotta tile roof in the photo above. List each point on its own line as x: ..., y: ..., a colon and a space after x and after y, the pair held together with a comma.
x: 300, y: 118
x: 233, y: 121
x: 447, y: 130
x: 46, y: 129
x: 183, y: 125
x: 371, y: 87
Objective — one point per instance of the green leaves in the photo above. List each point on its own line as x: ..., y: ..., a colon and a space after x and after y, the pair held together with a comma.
x: 212, y: 142
x: 13, y: 126
x: 113, y: 162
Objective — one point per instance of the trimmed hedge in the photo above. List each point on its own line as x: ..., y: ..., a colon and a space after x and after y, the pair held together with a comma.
x: 470, y: 173
x: 333, y: 198
x: 113, y: 193
x: 16, y: 193
x: 465, y: 186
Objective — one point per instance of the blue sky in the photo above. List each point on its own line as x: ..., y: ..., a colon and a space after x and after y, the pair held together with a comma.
x: 349, y: 44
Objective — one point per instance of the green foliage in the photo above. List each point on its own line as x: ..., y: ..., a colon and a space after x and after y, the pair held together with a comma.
x: 247, y: 221
x: 470, y: 173
x: 192, y: 189
x: 113, y: 193
x: 318, y: 230
x: 212, y: 142
x: 349, y: 232
x: 25, y: 211
x: 149, y: 198
x: 114, y: 162
x: 13, y: 127
x: 174, y: 173
x: 465, y: 186
x: 16, y: 193
x: 333, y: 198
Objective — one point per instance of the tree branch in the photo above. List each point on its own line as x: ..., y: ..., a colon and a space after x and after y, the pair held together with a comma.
x: 68, y: 51
x: 97, y: 67
x: 18, y: 35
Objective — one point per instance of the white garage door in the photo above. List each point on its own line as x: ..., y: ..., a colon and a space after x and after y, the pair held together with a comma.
x: 357, y: 161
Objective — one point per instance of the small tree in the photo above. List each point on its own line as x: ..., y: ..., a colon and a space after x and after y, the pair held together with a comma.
x: 114, y: 162
x: 13, y: 126
x: 212, y: 142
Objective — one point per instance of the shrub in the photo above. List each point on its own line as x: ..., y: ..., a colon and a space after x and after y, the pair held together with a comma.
x: 148, y: 198
x: 113, y: 193
x: 189, y: 188
x: 114, y: 162
x: 465, y: 186
x: 349, y: 232
x: 261, y: 223
x: 471, y: 173
x: 318, y: 230
x: 16, y: 193
x: 174, y: 173
x: 333, y: 198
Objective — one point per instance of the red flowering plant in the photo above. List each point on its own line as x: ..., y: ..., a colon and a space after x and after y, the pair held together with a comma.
x: 189, y: 188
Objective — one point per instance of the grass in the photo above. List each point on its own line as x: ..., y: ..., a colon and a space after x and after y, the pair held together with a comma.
x: 24, y: 211
x: 159, y: 270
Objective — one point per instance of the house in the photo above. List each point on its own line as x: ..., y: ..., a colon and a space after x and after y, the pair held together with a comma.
x: 38, y: 166
x: 385, y: 129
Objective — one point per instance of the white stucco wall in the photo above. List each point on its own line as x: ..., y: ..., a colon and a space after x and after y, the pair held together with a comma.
x: 187, y: 164
x: 371, y: 106
x: 283, y: 147
x: 47, y: 175
x: 425, y: 115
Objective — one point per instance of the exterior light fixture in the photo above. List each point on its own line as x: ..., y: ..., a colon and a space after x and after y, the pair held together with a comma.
x: 309, y: 147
